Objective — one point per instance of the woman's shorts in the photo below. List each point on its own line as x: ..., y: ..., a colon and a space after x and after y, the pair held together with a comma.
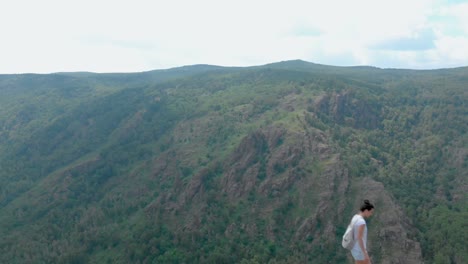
x: 357, y: 254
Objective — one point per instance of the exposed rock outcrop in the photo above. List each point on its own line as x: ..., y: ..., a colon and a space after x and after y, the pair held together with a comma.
x: 289, y: 171
x: 345, y: 108
x: 389, y: 229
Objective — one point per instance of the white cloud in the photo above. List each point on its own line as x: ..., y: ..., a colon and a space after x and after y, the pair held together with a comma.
x: 106, y: 36
x: 457, y: 16
x: 453, y: 49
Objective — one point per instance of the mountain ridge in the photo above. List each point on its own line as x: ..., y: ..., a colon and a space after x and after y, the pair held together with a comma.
x: 295, y: 63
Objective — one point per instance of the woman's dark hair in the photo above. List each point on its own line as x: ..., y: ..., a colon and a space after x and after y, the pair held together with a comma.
x: 366, y: 206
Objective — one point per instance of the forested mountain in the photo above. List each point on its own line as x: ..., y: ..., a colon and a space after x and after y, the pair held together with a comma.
x: 208, y: 164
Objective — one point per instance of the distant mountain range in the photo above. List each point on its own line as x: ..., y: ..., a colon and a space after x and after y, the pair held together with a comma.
x: 209, y: 164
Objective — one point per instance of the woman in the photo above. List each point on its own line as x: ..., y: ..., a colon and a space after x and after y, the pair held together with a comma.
x: 359, y: 250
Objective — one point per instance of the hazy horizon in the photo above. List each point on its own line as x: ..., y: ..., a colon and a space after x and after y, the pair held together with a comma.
x: 228, y: 66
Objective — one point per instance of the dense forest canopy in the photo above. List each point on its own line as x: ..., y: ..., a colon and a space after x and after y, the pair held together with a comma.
x: 208, y: 164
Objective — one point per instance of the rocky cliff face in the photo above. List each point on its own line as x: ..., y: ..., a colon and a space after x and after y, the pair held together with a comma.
x: 391, y: 235
x: 347, y: 109
x: 303, y: 194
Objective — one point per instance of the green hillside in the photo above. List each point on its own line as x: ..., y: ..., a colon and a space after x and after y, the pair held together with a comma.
x: 208, y: 164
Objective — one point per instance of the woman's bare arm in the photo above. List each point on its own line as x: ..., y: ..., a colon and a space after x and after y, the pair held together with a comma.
x: 361, y: 241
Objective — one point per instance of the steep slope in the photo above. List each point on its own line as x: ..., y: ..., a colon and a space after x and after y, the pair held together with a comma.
x: 232, y: 165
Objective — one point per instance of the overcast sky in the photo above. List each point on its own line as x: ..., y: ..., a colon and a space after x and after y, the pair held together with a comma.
x: 137, y: 35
